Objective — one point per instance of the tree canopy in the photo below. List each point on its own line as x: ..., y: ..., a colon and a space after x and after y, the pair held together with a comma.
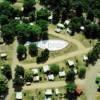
x: 3, y: 84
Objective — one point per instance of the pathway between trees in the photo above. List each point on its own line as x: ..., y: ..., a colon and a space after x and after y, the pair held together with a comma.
x: 57, y: 59
x: 14, y: 62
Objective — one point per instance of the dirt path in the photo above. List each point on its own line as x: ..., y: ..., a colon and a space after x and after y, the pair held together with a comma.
x: 81, y: 50
x: 55, y: 84
x: 90, y: 85
x: 57, y: 59
x: 14, y: 62
x: 67, y: 38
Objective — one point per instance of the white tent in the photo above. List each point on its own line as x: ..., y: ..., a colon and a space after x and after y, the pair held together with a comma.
x: 57, y: 91
x: 50, y: 17
x: 82, y: 28
x: 51, y: 77
x: 47, y: 98
x: 62, y: 74
x: 28, y: 83
x: 36, y: 78
x: 17, y: 18
x: 59, y: 25
x: 67, y: 22
x: 85, y: 58
x: 27, y: 43
x: 46, y: 68
x: 3, y: 55
x: 35, y: 71
x: 58, y: 30
x: 22, y: 8
x: 71, y: 63
x: 31, y: 24
x: 48, y: 92
x: 19, y: 95
x: 68, y: 30
x: 75, y: 71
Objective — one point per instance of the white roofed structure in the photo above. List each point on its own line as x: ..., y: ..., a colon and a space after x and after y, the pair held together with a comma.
x: 48, y: 98
x: 85, y: 58
x: 48, y: 92
x: 59, y: 25
x: 71, y: 63
x: 35, y: 71
x: 50, y: 17
x: 31, y: 24
x: 51, y: 77
x: 36, y: 78
x: 68, y: 30
x: 17, y: 18
x: 75, y: 71
x: 58, y: 30
x: 3, y: 56
x: 27, y: 43
x: 57, y: 91
x: 62, y: 74
x: 82, y: 28
x: 46, y: 68
x: 67, y: 22
x: 19, y: 96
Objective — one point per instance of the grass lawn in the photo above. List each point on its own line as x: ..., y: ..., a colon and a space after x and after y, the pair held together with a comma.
x: 8, y: 50
x: 83, y: 40
x: 38, y: 94
x: 17, y: 5
x: 82, y: 97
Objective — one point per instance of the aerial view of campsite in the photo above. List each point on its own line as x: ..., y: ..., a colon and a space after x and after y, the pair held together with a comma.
x: 49, y: 49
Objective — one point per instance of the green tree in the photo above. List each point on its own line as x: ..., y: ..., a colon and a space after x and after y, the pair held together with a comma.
x: 22, y: 32
x: 12, y: 1
x: 19, y: 71
x: 43, y: 24
x: 28, y: 6
x: 70, y: 76
x: 94, y: 54
x: 71, y: 87
x: 56, y: 16
x: 79, y: 8
x: 28, y: 76
x: 90, y: 15
x: 7, y: 9
x: 21, y: 52
x: 43, y: 14
x: 18, y: 81
x: 7, y: 71
x: 8, y: 33
x: 34, y: 33
x: 44, y: 56
x: 33, y: 50
x: 4, y: 19
x: 3, y: 85
x: 54, y: 69
x: 82, y: 72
